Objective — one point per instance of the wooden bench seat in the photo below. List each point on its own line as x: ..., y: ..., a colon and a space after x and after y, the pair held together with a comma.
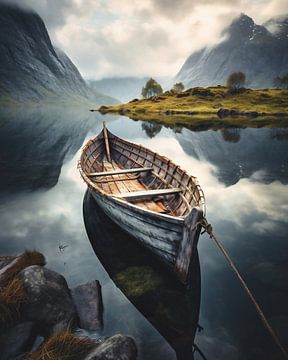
x: 137, y: 195
x: 120, y: 171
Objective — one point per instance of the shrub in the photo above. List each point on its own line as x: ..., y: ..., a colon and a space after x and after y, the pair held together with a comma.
x: 178, y: 86
x: 236, y: 81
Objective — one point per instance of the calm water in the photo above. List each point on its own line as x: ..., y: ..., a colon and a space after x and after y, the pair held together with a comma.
x: 244, y: 174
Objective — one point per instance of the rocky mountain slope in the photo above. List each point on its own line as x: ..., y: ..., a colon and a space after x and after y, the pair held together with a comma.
x: 261, y: 52
x: 32, y: 69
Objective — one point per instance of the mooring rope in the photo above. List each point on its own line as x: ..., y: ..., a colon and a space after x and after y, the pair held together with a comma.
x: 208, y: 228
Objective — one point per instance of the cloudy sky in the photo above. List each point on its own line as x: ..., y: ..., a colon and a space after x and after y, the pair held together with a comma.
x: 141, y: 37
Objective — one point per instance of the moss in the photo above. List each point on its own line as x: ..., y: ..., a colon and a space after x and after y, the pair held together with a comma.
x: 62, y: 346
x: 136, y: 281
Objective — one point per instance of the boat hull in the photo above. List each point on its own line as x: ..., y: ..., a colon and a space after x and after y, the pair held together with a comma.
x: 159, y: 234
x: 158, y: 203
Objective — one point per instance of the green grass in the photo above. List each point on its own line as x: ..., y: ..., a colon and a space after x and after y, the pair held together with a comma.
x: 269, y: 103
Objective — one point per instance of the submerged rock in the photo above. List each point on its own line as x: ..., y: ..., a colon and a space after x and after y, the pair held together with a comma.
x: 118, y: 347
x: 50, y: 304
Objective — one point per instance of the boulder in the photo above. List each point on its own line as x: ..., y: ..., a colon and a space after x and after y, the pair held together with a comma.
x: 118, y: 347
x: 223, y: 113
x: 5, y: 260
x: 88, y: 301
x: 17, y: 340
x: 50, y: 304
x: 202, y: 92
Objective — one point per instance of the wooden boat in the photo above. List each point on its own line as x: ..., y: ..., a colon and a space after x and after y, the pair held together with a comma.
x: 148, y: 196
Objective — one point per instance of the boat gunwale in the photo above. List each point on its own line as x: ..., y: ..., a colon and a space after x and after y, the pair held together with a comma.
x: 91, y: 184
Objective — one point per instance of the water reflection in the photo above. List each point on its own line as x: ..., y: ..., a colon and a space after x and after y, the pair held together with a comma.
x: 162, y: 299
x: 151, y: 128
x: 243, y: 153
x: 35, y: 141
x: 245, y: 183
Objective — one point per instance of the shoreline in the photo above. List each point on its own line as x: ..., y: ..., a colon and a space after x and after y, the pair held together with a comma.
x: 256, y: 108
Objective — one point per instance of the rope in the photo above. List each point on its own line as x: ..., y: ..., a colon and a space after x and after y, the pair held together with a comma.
x: 208, y: 228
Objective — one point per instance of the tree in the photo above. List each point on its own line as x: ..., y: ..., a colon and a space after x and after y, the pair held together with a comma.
x: 236, y: 81
x: 281, y: 82
x: 151, y: 88
x: 178, y: 86
x: 151, y: 128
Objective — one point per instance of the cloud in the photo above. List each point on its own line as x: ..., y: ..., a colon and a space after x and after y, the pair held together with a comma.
x: 133, y: 37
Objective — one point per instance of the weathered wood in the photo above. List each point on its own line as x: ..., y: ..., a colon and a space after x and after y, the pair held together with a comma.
x: 147, y: 193
x: 188, y: 245
x: 106, y: 142
x: 141, y: 205
x: 119, y: 172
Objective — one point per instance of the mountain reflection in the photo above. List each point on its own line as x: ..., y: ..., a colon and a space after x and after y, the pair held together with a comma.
x: 242, y: 153
x: 35, y: 141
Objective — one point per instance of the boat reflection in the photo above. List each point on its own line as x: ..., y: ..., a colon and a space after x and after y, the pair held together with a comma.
x: 170, y: 308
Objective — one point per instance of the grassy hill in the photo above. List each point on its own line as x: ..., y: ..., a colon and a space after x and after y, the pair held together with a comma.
x: 216, y: 104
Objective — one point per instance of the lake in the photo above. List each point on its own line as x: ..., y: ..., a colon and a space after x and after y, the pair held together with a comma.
x: 244, y: 175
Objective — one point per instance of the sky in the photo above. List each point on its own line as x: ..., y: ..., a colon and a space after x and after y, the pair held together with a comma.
x: 107, y: 38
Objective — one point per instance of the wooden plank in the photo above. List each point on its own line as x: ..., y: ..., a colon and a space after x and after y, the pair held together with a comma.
x: 147, y: 193
x: 106, y: 142
x: 120, y: 171
x: 188, y: 245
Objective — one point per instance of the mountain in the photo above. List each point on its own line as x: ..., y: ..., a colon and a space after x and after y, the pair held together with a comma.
x: 125, y: 88
x: 122, y: 88
x: 262, y: 54
x: 32, y: 69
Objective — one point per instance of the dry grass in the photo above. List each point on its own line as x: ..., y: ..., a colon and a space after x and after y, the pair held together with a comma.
x: 28, y: 258
x: 12, y: 296
x: 12, y: 291
x: 62, y: 346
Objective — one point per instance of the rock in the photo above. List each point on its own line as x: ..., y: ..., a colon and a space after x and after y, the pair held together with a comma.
x: 118, y: 347
x: 88, y: 301
x: 19, y: 263
x: 202, y: 92
x: 123, y: 111
x: 223, y: 113
x: 252, y: 113
x: 50, y: 304
x: 5, y: 260
x: 134, y: 100
x: 17, y: 340
x: 181, y: 95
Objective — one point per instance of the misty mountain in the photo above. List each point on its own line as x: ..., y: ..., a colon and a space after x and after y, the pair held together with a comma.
x: 260, y: 51
x: 125, y: 88
x: 122, y: 88
x: 32, y: 69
